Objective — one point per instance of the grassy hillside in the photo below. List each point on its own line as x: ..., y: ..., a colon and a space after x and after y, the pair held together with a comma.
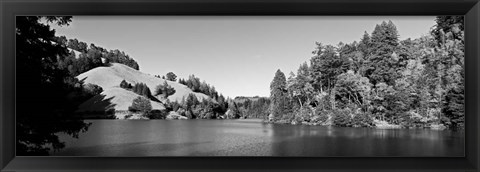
x: 109, y: 79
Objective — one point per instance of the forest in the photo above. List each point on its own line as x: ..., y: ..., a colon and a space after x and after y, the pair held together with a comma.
x: 379, y: 81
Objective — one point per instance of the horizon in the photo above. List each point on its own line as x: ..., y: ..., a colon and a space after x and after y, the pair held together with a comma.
x: 223, y: 51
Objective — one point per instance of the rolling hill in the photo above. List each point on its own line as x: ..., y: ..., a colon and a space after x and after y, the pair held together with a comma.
x: 113, y: 96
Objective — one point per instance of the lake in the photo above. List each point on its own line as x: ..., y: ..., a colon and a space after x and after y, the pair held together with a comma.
x: 253, y: 138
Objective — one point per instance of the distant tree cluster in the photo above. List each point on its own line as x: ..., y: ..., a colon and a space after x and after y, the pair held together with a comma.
x: 169, y: 76
x: 124, y: 84
x: 142, y: 89
x: 192, y: 108
x: 89, y: 57
x: 200, y: 87
x: 409, y: 83
x: 142, y: 103
x: 214, y: 107
x: 159, y: 76
x: 164, y: 89
x: 255, y: 107
x: 143, y: 106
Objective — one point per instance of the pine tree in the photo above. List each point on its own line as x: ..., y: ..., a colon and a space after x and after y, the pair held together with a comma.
x: 141, y: 104
x: 449, y: 36
x: 146, y: 91
x: 279, y: 97
x: 326, y: 65
x: 365, y: 44
x: 445, y: 24
x: 136, y: 88
x: 382, y: 62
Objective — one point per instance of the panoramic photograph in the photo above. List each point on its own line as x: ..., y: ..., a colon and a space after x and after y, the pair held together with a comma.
x: 271, y: 86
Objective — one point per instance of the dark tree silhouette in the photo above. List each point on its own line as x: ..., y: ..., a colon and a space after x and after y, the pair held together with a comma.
x: 45, y: 104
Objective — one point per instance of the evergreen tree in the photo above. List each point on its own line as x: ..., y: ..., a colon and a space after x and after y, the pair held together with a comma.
x: 365, y: 44
x: 141, y: 104
x: 445, y: 24
x: 146, y: 91
x: 278, y: 95
x: 383, y: 60
x: 326, y: 66
x: 449, y: 36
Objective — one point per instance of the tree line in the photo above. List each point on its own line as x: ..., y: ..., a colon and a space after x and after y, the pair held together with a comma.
x: 409, y: 83
x: 214, y: 107
x: 217, y: 107
x: 89, y: 57
x: 251, y: 107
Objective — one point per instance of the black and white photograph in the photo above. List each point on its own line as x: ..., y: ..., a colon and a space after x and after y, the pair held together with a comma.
x: 240, y: 86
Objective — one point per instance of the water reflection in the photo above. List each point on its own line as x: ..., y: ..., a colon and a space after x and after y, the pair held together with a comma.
x: 253, y: 138
x: 333, y: 141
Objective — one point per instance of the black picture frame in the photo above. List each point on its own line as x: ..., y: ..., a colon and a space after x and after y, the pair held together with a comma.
x: 10, y: 8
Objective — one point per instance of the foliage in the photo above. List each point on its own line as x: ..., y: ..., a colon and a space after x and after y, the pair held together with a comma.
x: 140, y: 104
x: 171, y: 76
x: 195, y: 85
x: 205, y: 108
x: 353, y: 88
x: 455, y: 110
x: 320, y: 117
x: 326, y: 66
x: 142, y: 89
x: 383, y: 61
x: 304, y: 114
x: 299, y: 87
x: 124, y: 84
x: 382, y: 78
x: 156, y: 114
x: 362, y: 120
x: 444, y: 25
x: 164, y: 89
x: 93, y: 89
x: 342, y: 118
x: 55, y: 93
x: 253, y: 107
x: 279, y: 100
x: 90, y: 57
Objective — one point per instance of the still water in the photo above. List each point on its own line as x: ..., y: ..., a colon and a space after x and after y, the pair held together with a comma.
x: 253, y: 138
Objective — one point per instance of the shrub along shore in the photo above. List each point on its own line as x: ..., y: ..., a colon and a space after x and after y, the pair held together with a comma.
x: 346, y: 118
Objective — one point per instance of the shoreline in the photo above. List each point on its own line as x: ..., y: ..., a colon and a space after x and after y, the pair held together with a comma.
x: 439, y: 127
x: 127, y: 115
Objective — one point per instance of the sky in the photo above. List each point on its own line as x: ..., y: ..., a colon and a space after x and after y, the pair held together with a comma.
x: 239, y: 55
